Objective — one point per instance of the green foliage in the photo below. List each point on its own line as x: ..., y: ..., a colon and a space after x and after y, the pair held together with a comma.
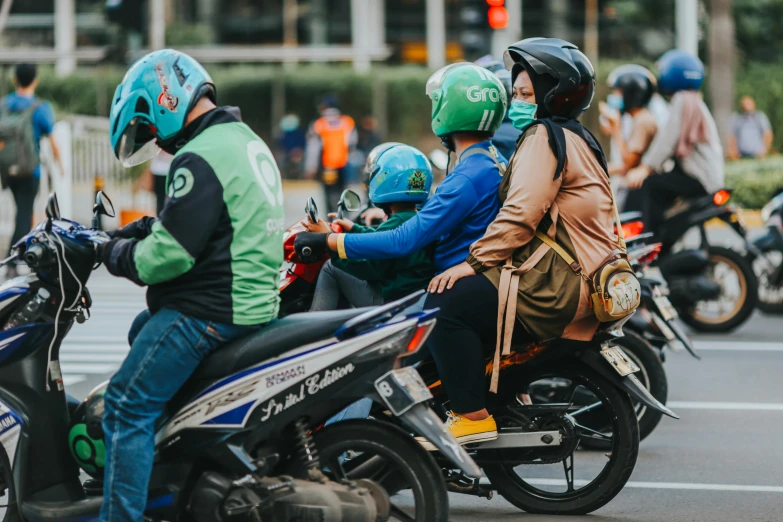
x: 755, y: 181
x: 251, y: 88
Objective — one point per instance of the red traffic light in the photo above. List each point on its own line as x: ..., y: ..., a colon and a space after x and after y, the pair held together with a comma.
x: 496, y: 3
x: 498, y: 17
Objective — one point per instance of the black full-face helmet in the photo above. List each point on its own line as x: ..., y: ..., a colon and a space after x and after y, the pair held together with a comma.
x: 637, y: 84
x: 563, y: 78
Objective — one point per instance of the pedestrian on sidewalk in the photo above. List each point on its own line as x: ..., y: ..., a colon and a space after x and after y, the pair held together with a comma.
x: 24, y: 120
x: 751, y: 132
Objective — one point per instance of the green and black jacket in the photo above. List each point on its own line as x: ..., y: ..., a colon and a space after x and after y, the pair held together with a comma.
x: 216, y: 250
x: 394, y: 278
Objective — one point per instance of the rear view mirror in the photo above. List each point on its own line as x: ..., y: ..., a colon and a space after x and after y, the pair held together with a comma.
x: 311, y: 209
x: 103, y: 205
x: 52, y: 207
x: 351, y: 201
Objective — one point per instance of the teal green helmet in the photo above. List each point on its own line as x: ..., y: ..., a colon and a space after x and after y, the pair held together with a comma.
x: 151, y: 104
x: 466, y: 97
x: 398, y: 173
x: 86, y: 435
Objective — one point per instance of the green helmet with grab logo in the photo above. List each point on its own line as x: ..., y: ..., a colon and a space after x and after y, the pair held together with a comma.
x: 466, y: 97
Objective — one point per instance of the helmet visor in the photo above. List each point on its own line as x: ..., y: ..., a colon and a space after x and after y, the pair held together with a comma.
x: 137, y: 144
x: 436, y: 80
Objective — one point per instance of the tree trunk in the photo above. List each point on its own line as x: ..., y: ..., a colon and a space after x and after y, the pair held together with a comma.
x: 722, y: 47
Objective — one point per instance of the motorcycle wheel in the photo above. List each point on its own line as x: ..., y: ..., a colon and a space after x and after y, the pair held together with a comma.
x: 737, y: 312
x: 652, y: 374
x: 770, y: 297
x: 382, y: 452
x: 544, y: 494
x: 8, y: 500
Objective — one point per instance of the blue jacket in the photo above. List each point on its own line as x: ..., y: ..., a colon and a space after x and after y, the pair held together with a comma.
x: 43, y: 119
x: 457, y: 214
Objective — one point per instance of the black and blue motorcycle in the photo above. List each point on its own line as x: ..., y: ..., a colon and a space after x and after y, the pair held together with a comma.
x: 244, y: 440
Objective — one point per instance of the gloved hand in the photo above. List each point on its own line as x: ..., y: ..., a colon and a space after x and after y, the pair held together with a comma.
x: 310, y: 246
x: 100, y: 240
x: 139, y: 229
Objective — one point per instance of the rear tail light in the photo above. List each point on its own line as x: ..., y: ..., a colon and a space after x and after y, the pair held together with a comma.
x: 420, y: 336
x: 631, y: 229
x: 646, y: 255
x: 721, y: 197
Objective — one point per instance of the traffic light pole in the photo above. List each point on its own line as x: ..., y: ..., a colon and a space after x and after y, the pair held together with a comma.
x: 502, y: 38
x: 436, y: 34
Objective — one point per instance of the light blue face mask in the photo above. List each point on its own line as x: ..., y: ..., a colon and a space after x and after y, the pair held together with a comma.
x: 615, y: 101
x: 522, y: 114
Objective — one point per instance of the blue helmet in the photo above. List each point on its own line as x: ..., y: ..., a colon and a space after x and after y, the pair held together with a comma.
x: 150, y: 105
x: 679, y: 71
x: 398, y: 173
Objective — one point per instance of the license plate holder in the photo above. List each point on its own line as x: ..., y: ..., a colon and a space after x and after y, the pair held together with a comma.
x: 665, y: 307
x: 402, y: 389
x: 619, y: 360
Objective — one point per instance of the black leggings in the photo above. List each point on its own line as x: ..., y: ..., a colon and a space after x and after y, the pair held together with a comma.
x: 24, y: 191
x: 659, y: 192
x: 466, y: 332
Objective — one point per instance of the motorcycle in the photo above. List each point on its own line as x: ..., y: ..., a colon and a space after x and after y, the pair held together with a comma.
x: 656, y: 320
x: 552, y: 397
x: 244, y: 438
x: 768, y: 258
x: 714, y: 289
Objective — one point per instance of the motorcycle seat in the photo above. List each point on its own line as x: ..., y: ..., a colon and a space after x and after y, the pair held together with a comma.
x: 272, y: 340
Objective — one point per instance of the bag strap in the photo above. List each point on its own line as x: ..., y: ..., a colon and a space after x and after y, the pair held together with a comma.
x: 491, y: 154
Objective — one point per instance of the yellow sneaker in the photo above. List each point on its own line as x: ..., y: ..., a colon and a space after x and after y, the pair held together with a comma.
x: 466, y: 431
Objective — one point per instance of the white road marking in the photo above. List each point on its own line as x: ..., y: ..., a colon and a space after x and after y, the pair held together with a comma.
x: 732, y: 346
x: 693, y: 486
x: 92, y: 357
x: 740, y: 406
x: 70, y: 378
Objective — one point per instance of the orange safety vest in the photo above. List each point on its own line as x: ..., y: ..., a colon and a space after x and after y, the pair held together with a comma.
x: 334, y: 134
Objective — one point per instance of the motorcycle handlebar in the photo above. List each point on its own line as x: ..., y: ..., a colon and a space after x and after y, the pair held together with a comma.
x: 35, y: 254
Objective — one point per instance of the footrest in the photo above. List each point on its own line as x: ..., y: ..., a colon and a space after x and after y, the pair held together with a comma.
x: 55, y: 511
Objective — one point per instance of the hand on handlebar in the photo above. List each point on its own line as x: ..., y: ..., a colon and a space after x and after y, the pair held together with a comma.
x: 345, y: 224
x: 139, y: 229
x: 322, y: 227
x: 310, y: 246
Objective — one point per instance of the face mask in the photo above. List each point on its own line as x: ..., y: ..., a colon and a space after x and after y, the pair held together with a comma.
x: 522, y: 114
x: 615, y: 101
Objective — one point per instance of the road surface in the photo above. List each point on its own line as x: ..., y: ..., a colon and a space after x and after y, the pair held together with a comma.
x: 721, y: 462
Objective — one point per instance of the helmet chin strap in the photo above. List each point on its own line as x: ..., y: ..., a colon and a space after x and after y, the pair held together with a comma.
x: 448, y: 143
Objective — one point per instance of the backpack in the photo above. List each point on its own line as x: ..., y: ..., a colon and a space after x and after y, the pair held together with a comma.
x: 18, y: 151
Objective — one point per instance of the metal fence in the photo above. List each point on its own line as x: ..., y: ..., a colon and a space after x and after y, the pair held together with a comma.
x: 87, y: 163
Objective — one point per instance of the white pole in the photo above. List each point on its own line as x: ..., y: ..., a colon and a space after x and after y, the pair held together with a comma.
x: 512, y: 33
x: 157, y: 14
x: 65, y: 36
x: 360, y: 37
x: 687, y: 22
x: 436, y: 34
x: 62, y: 179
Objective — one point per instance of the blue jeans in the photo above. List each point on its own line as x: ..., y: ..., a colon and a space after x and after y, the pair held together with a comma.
x: 165, y: 350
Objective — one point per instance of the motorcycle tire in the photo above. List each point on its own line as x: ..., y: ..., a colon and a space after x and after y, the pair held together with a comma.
x: 8, y: 500
x: 768, y: 307
x: 652, y: 374
x: 416, y: 468
x: 621, y: 460
x: 748, y: 289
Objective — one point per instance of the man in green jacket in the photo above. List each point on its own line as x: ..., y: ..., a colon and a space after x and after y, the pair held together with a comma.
x: 400, y: 180
x: 210, y: 261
